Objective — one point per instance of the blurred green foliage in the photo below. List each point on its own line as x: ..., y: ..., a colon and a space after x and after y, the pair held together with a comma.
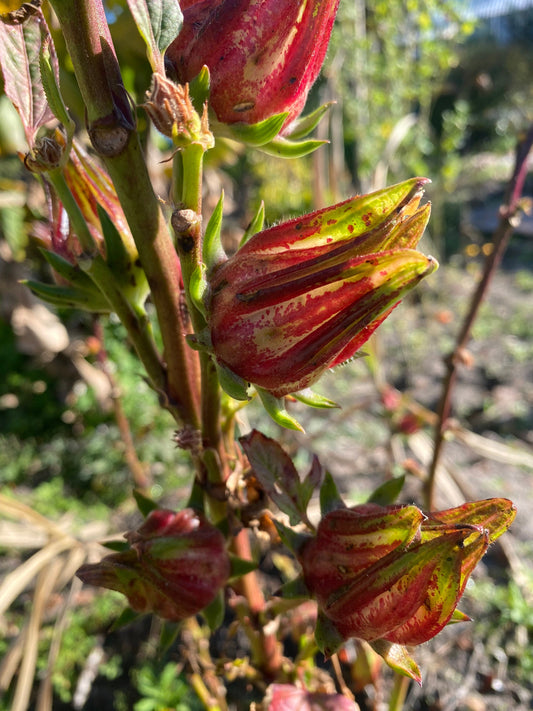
x: 162, y: 688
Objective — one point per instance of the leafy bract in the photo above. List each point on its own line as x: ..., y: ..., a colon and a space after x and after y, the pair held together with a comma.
x: 158, y: 22
x: 278, y: 476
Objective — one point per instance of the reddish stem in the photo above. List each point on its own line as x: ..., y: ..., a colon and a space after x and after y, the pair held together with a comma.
x: 506, y: 226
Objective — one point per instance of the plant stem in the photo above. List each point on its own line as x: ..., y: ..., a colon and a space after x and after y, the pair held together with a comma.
x: 136, y: 323
x: 112, y: 130
x: 398, y: 692
x: 509, y: 214
x: 188, y: 171
x: 266, y: 648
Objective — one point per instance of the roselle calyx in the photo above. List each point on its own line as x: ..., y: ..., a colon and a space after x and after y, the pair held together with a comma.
x: 263, y: 56
x: 305, y: 295
x: 175, y: 565
x: 393, y: 574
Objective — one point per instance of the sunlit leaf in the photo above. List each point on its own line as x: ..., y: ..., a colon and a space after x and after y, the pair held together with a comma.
x: 20, y: 47
x: 158, y: 22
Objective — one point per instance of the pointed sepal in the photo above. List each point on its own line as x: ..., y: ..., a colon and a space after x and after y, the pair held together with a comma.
x: 276, y: 409
x: 312, y: 399
x: 330, y: 499
x: 213, y: 252
x: 256, y: 224
x: 302, y: 126
x: 398, y: 658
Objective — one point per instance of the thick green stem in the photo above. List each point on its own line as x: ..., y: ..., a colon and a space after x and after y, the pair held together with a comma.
x: 134, y: 320
x: 188, y: 174
x: 111, y: 128
x: 398, y: 692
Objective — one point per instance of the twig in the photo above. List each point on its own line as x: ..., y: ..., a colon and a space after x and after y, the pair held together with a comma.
x: 509, y: 219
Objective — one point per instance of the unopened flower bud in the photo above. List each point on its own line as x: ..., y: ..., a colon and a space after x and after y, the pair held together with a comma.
x: 175, y: 566
x: 305, y: 295
x: 393, y: 573
x: 263, y: 57
x: 173, y: 114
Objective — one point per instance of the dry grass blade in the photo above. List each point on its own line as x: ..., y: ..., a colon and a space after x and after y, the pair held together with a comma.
x: 16, y: 582
x: 491, y: 449
x: 10, y: 662
x: 15, y: 509
x: 450, y: 489
x: 22, y: 535
x: 45, y: 695
x: 45, y: 584
x: 76, y: 558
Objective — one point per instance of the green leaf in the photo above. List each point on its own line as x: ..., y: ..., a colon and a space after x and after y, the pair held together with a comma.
x: 117, y: 546
x: 388, y: 492
x: 214, y: 612
x: 158, y: 22
x: 117, y: 257
x: 144, y: 504
x: 49, y: 67
x: 311, y: 482
x: 328, y: 638
x: 128, y: 276
x: 330, y: 499
x: 278, y: 476
x: 71, y: 272
x: 69, y: 297
x: 294, y: 589
x: 169, y: 633
x: 125, y: 618
x: 290, y: 538
x: 240, y: 566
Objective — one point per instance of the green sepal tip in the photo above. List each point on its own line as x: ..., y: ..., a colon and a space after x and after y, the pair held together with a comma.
x: 214, y: 612
x: 281, y: 147
x: 199, y: 89
x: 198, y: 288
x: 312, y: 399
x: 398, y: 658
x: 275, y: 408
x: 255, y: 134
x: 213, y: 253
x: 256, y: 225
x: 232, y: 384
x: 302, y: 126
